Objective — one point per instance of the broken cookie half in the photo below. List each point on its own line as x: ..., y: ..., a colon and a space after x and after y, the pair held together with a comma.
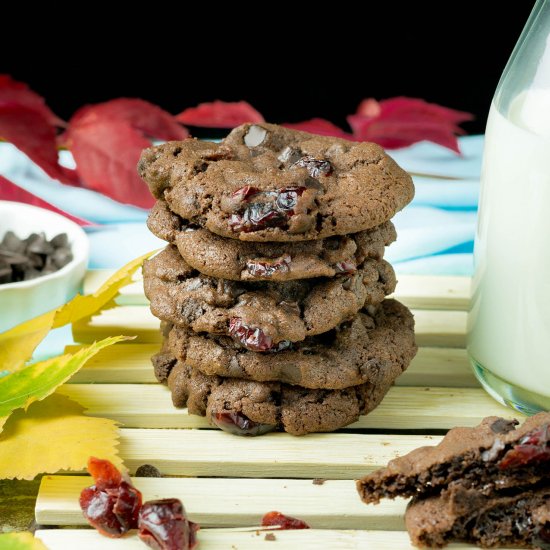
x: 488, y: 485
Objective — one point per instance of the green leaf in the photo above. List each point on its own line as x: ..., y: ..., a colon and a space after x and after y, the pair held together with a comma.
x: 35, y: 382
x: 20, y: 541
x: 18, y: 344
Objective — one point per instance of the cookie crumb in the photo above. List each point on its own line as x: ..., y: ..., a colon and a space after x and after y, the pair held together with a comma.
x: 148, y: 470
x: 319, y: 481
x: 270, y: 536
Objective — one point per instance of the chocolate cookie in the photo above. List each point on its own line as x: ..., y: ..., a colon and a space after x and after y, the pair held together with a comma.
x: 253, y: 408
x: 247, y: 261
x: 268, y: 183
x: 262, y: 315
x: 518, y: 519
x: 493, y: 455
x: 375, y: 349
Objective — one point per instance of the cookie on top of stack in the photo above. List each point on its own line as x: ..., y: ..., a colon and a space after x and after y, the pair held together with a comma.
x: 272, y: 287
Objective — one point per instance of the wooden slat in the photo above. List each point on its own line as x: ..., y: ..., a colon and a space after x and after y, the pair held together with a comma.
x: 440, y: 328
x: 403, y: 408
x: 130, y: 364
x: 433, y: 328
x: 415, y: 291
x: 228, y: 502
x: 212, y: 453
x: 446, y: 367
x: 434, y: 292
x: 120, y: 364
x: 230, y: 539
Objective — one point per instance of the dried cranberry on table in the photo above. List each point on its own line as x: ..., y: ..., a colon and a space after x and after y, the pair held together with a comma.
x: 532, y: 447
x: 111, y: 505
x: 163, y: 525
x: 272, y: 519
x: 238, y: 423
x: 114, y: 506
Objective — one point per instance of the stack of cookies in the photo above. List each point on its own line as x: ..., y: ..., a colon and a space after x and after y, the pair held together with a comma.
x: 272, y: 287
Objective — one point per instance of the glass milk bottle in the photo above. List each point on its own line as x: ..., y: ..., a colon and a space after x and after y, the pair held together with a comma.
x: 509, y: 319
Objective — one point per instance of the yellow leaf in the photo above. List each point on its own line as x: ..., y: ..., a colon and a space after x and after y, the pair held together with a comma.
x: 54, y: 435
x: 35, y: 382
x: 18, y: 344
x: 20, y: 541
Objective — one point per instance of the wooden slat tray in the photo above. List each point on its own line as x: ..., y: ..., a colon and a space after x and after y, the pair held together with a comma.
x: 227, y: 483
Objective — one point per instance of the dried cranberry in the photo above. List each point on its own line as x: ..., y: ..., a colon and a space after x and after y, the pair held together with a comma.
x: 268, y: 269
x: 252, y: 338
x: 287, y: 198
x: 257, y: 216
x: 163, y: 525
x: 346, y: 267
x: 315, y: 167
x: 104, y: 473
x: 285, y: 522
x: 244, y: 193
x: 238, y: 423
x: 112, y: 504
x: 268, y: 208
x: 532, y: 447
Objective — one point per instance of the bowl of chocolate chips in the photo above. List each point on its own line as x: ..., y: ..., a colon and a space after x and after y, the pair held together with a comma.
x: 43, y: 260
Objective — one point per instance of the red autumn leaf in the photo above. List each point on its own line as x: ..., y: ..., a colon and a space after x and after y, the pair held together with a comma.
x: 11, y: 192
x: 319, y: 126
x: 401, y: 121
x: 410, y: 105
x: 31, y: 132
x: 142, y: 115
x: 220, y: 114
x: 106, y: 152
x: 12, y: 91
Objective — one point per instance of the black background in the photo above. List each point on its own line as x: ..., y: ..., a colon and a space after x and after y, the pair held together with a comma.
x: 290, y: 63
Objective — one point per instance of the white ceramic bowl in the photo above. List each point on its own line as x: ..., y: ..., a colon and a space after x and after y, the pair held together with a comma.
x: 27, y: 299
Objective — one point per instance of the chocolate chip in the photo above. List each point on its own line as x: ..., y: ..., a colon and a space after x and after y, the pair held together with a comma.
x: 11, y: 242
x: 255, y: 136
x: 37, y: 244
x: 35, y: 256
x: 312, y: 183
x: 60, y: 241
x: 61, y: 257
x: 148, y: 470
x: 290, y: 155
x: 503, y: 426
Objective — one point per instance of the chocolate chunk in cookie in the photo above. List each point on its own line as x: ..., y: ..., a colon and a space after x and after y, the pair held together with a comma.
x: 269, y: 183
